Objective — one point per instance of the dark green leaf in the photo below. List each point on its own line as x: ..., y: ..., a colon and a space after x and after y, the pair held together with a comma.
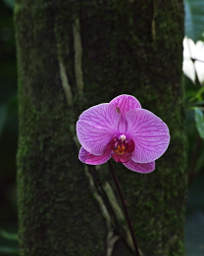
x: 8, y: 236
x: 194, y: 234
x: 10, y: 3
x: 3, y: 113
x: 199, y: 119
x: 8, y: 250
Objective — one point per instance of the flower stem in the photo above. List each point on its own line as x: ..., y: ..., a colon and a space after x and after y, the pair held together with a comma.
x: 124, y: 206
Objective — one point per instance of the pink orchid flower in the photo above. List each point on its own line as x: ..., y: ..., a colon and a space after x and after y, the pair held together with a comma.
x: 121, y: 129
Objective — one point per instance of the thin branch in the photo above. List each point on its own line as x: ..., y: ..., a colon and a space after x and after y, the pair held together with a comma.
x: 102, y: 199
x: 115, y: 179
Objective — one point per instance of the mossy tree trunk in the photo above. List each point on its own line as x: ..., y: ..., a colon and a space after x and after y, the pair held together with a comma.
x: 72, y: 55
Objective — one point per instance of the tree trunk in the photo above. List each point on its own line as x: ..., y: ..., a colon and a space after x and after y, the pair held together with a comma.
x: 73, y: 55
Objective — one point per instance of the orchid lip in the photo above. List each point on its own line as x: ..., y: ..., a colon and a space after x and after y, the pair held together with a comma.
x: 122, y: 148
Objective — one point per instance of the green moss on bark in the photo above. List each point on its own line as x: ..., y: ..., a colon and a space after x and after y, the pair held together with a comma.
x: 130, y: 47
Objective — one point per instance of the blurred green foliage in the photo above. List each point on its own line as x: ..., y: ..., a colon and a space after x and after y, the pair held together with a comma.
x: 194, y: 92
x: 10, y: 3
x: 9, y: 243
x: 194, y: 19
x: 8, y: 132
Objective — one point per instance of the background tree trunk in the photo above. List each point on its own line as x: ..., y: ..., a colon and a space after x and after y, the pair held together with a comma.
x: 85, y: 53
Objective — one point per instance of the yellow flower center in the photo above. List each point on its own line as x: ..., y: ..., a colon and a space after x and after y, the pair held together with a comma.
x: 120, y: 149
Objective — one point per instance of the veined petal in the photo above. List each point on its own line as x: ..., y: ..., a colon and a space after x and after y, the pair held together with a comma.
x: 139, y: 167
x: 96, y: 127
x: 149, y: 133
x: 125, y: 103
x: 87, y: 158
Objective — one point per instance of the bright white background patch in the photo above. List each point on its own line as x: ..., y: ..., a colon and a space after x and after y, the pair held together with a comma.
x: 193, y: 51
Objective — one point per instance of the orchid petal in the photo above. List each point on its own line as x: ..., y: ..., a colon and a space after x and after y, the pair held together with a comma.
x: 125, y: 103
x: 87, y: 158
x: 199, y: 66
x: 189, y: 48
x: 96, y: 127
x: 149, y: 133
x: 140, y: 167
x: 189, y: 69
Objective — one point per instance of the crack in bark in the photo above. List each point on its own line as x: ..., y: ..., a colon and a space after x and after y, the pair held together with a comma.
x: 119, y: 213
x: 154, y: 13
x: 65, y: 82
x: 111, y: 237
x: 78, y: 56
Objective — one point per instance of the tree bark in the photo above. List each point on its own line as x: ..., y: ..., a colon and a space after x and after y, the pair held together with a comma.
x: 73, y: 55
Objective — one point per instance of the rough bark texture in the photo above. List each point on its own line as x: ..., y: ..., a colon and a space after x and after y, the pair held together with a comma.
x: 85, y: 53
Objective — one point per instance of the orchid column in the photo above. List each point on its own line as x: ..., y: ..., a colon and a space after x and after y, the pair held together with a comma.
x: 73, y: 55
